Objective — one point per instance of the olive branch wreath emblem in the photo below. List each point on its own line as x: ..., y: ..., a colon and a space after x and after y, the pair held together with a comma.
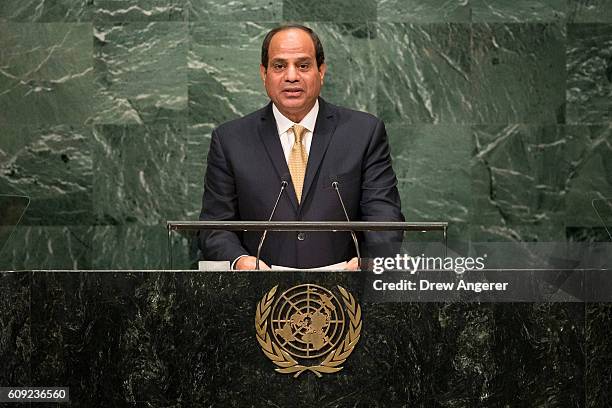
x: 289, y: 365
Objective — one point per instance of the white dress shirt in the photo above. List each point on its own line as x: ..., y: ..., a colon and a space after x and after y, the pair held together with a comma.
x: 285, y: 129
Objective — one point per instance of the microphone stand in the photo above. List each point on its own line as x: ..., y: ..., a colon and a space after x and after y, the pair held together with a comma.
x: 335, y: 186
x: 263, y: 236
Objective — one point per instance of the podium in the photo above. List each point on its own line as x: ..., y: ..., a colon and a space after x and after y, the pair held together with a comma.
x: 182, y: 338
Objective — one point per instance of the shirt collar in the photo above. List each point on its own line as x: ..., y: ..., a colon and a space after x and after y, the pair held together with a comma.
x: 284, y: 124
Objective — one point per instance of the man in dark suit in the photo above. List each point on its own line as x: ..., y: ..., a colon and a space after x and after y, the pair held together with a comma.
x: 309, y: 143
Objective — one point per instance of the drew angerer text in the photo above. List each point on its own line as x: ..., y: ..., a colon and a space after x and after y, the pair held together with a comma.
x: 425, y: 285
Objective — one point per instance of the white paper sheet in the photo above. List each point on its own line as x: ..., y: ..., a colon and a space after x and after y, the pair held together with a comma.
x: 335, y: 267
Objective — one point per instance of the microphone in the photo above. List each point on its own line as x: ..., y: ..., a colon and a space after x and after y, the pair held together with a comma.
x: 284, y: 185
x: 336, y: 187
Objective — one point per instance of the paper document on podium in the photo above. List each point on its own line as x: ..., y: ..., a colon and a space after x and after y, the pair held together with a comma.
x: 335, y: 267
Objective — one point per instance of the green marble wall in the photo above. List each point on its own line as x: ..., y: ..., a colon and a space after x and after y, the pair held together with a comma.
x: 499, y: 113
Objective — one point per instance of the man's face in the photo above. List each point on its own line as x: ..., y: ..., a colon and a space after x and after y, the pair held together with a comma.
x: 292, y: 79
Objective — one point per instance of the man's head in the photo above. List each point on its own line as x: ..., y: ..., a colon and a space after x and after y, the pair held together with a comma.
x: 292, y: 69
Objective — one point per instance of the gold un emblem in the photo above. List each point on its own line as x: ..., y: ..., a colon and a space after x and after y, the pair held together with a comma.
x: 307, y: 322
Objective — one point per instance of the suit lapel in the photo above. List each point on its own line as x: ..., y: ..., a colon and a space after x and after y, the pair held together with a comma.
x: 268, y: 132
x: 327, y: 120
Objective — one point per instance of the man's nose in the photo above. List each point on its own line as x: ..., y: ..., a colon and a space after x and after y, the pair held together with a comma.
x: 292, y: 74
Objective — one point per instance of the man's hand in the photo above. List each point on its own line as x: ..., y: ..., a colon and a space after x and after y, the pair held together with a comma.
x: 352, y: 265
x: 247, y: 263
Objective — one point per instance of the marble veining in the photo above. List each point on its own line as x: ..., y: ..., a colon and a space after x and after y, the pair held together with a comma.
x: 48, y: 247
x: 147, y: 174
x: 130, y: 62
x: 424, y: 73
x: 52, y: 165
x: 46, y: 73
x: 424, y: 11
x: 589, y: 70
x: 518, y: 73
x: 336, y: 10
x: 518, y: 11
x: 591, y: 11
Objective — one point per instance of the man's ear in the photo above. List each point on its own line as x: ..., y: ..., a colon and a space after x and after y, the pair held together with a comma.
x: 262, y: 72
x: 322, y: 71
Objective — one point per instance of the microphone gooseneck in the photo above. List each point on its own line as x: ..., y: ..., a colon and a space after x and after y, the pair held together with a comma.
x: 335, y: 185
x: 263, y: 236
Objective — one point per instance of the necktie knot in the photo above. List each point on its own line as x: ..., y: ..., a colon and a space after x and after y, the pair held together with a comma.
x: 298, y: 131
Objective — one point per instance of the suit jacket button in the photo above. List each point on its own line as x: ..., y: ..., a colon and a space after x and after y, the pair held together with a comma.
x: 301, y: 236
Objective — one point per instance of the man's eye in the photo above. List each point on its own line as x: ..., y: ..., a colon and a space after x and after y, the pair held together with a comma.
x: 278, y: 66
x: 304, y: 66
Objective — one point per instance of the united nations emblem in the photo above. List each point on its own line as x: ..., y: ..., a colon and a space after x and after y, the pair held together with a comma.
x: 307, y: 322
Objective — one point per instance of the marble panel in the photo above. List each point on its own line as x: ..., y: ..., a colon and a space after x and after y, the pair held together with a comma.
x: 434, y: 181
x: 590, y: 174
x: 518, y: 73
x: 46, y: 73
x: 591, y: 11
x: 340, y: 11
x: 543, y: 365
x: 424, y: 11
x: 184, y: 338
x: 589, y: 73
x: 140, y: 10
x: 350, y: 51
x: 224, y: 81
x: 15, y: 339
x: 53, y: 166
x: 140, y: 72
x: 245, y: 10
x: 147, y: 174
x: 42, y: 11
x: 598, y: 353
x: 424, y: 73
x: 588, y: 234
x: 47, y: 247
x: 79, y: 325
x: 520, y: 179
x: 141, y: 247
x: 513, y: 11
x: 517, y: 232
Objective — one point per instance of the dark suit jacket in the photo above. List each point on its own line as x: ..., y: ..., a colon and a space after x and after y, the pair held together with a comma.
x: 246, y: 166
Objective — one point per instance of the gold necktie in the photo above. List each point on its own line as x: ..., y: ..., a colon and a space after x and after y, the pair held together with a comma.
x: 297, y: 161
